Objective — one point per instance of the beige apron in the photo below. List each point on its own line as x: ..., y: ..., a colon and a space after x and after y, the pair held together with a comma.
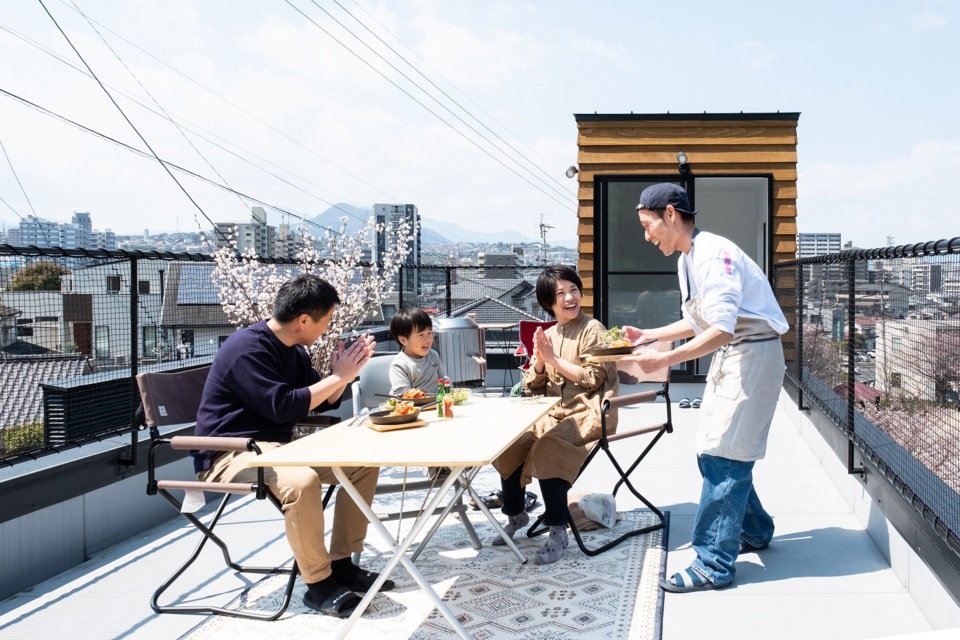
x: 743, y: 386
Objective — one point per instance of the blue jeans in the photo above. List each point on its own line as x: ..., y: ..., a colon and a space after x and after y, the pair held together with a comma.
x: 729, y: 513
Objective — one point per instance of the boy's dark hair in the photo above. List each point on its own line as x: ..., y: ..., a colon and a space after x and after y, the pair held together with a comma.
x: 547, y: 284
x: 307, y: 294
x: 409, y: 320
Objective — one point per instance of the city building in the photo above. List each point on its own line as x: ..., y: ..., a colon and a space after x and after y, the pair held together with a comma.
x: 501, y: 266
x: 817, y: 244
x: 77, y: 234
x: 255, y: 235
x: 388, y: 218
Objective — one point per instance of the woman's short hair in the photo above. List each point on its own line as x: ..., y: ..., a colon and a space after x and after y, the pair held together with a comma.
x: 307, y: 294
x: 547, y: 284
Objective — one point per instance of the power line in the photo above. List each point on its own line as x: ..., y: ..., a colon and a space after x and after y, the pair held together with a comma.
x: 428, y: 109
x: 243, y: 157
x: 24, y: 192
x: 438, y: 88
x: 148, y: 156
x: 242, y: 110
x: 132, y: 126
x: 150, y: 95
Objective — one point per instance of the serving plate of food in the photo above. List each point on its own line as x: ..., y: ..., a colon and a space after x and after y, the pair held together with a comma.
x: 404, y: 412
x: 417, y: 396
x: 404, y: 416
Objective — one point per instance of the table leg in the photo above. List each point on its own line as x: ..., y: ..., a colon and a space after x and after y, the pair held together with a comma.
x: 496, y: 525
x: 400, y: 551
x: 466, y: 478
x: 467, y: 485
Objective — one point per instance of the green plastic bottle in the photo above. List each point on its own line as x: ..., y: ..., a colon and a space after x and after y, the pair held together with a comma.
x: 441, y: 389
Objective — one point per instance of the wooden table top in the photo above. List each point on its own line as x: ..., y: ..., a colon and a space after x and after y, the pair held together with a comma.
x: 480, y: 431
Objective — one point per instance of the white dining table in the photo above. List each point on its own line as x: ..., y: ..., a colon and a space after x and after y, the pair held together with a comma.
x: 479, y: 432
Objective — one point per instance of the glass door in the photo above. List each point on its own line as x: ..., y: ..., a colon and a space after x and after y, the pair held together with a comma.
x: 634, y: 282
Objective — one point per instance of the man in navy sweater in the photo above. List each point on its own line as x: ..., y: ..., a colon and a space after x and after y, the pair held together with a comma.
x: 260, y: 384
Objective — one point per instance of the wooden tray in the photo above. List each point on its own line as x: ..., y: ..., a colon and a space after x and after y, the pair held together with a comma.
x: 394, y: 427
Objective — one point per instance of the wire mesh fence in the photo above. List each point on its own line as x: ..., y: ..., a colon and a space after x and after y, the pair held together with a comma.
x: 876, y: 346
x: 76, y: 326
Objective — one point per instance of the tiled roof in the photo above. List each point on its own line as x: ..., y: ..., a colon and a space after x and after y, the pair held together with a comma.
x: 20, y: 379
x: 491, y: 310
x: 467, y: 289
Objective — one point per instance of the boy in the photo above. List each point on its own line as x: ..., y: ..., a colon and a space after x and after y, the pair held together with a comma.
x: 417, y: 366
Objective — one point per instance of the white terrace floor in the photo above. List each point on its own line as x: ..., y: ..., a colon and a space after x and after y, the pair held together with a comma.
x: 823, y: 577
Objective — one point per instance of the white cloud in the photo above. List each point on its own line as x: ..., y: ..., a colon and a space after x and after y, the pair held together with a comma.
x: 928, y: 21
x: 759, y: 56
x: 910, y: 197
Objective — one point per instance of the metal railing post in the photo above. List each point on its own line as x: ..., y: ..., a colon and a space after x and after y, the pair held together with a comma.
x: 851, y: 369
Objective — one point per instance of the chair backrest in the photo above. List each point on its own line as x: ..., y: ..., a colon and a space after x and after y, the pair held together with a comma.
x: 527, y: 329
x: 374, y: 380
x: 173, y: 397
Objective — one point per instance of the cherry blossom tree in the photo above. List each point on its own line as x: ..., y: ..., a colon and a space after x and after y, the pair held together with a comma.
x: 247, y: 285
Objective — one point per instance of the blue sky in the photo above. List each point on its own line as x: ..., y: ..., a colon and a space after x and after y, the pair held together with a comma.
x: 293, y: 119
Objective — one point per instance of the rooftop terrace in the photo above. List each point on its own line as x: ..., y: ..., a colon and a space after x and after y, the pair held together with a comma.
x: 836, y: 569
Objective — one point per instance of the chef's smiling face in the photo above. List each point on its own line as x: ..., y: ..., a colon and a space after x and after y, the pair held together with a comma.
x: 656, y: 229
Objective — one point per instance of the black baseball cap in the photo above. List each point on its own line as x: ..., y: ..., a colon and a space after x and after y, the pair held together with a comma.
x: 658, y: 196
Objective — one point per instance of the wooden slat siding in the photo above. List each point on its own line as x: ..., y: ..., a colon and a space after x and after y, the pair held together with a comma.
x: 706, y: 156
x: 611, y: 134
x: 781, y: 171
x: 784, y: 227
x: 728, y: 147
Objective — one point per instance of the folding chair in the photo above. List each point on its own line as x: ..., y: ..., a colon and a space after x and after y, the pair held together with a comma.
x: 368, y: 392
x: 173, y: 398
x: 525, y: 350
x: 603, y: 444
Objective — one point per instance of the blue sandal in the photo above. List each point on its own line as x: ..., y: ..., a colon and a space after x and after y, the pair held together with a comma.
x: 695, y: 403
x: 684, y: 403
x: 689, y: 580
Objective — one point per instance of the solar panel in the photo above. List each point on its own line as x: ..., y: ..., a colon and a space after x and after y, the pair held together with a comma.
x: 196, y: 285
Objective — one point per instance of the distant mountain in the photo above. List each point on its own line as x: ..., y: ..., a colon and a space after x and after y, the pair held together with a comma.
x: 431, y: 232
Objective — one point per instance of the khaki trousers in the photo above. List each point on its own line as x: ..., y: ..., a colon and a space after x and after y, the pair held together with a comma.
x: 300, y: 490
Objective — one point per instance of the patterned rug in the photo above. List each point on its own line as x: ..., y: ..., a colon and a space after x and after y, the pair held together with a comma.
x: 613, y: 595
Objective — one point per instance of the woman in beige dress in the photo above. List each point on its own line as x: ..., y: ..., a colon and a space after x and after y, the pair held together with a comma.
x: 557, y: 445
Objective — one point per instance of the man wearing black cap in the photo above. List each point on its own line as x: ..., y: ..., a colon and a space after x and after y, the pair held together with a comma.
x: 728, y: 308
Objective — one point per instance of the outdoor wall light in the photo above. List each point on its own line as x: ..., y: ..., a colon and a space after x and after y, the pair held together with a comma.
x: 572, y: 171
x: 683, y: 167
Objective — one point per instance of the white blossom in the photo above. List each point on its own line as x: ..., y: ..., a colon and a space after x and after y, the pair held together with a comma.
x: 247, y: 287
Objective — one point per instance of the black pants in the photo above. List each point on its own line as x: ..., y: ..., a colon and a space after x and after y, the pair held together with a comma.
x: 553, y: 490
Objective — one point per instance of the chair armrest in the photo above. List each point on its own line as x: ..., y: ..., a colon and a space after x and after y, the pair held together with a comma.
x: 239, y: 488
x: 214, y: 443
x: 633, y: 398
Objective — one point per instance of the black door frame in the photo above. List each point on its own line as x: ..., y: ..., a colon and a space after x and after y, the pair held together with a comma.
x: 601, y: 232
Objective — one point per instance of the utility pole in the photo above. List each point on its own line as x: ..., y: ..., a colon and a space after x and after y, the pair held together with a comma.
x: 543, y: 240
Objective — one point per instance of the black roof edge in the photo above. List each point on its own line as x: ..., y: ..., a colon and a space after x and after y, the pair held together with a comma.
x: 625, y: 117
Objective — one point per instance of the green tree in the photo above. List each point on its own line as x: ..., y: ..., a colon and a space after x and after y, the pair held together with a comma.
x: 39, y: 276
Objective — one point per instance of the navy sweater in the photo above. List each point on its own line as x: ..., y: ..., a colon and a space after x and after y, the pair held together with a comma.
x: 257, y: 388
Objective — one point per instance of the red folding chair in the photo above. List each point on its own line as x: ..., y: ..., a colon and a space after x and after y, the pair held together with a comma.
x: 525, y: 350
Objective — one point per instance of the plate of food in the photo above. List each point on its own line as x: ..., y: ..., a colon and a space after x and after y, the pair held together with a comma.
x: 404, y: 412
x: 615, y: 343
x: 417, y: 396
